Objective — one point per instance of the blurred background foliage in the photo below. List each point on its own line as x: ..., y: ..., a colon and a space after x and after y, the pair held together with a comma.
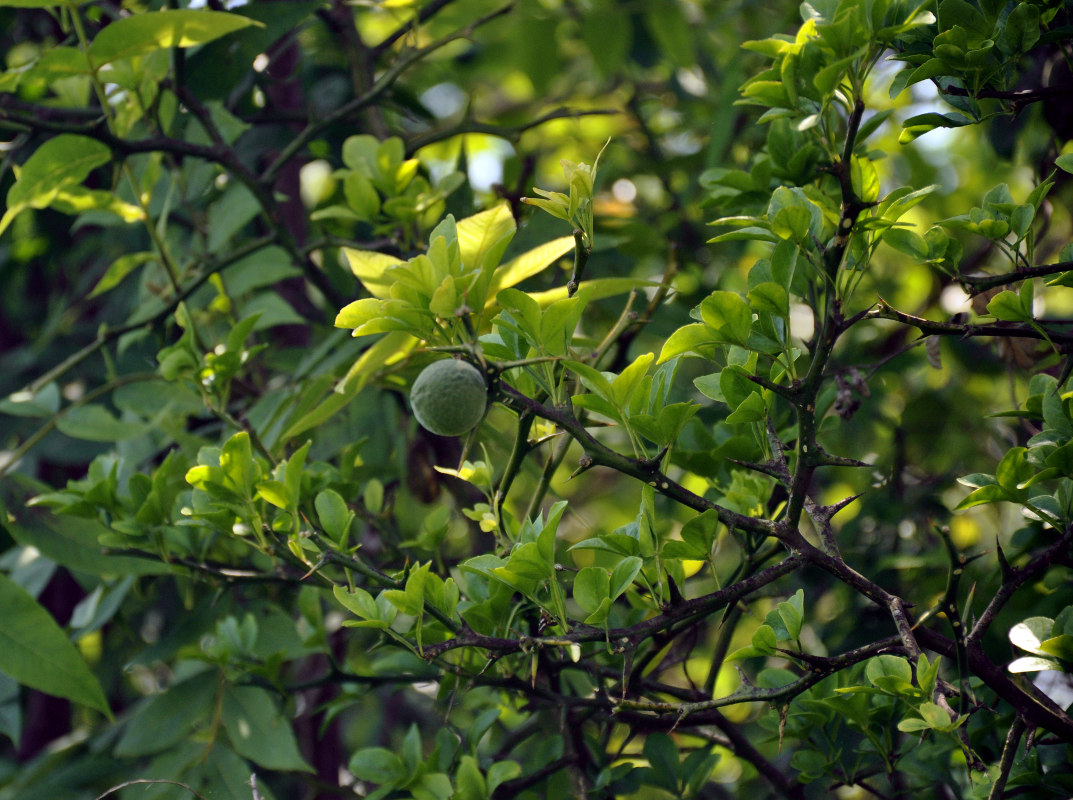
x: 544, y: 81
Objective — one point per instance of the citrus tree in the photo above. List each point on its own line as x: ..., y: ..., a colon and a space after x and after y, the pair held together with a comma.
x: 383, y: 417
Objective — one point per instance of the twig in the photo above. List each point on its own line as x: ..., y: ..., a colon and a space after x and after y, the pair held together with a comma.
x: 965, y: 330
x: 1009, y: 753
x: 111, y: 334
x: 509, y: 132
x: 582, y: 251
x: 977, y: 284
x: 690, y: 609
x: 643, y: 470
x: 115, y: 789
x: 385, y: 81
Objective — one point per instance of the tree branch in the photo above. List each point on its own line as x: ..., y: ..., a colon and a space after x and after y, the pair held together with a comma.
x: 630, y: 636
x: 964, y: 329
x: 978, y: 284
x: 643, y: 470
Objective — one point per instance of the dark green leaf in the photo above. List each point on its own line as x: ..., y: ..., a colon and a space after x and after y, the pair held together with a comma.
x: 36, y: 652
x: 258, y: 731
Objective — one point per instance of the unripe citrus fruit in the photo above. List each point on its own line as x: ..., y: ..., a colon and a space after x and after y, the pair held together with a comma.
x: 449, y: 397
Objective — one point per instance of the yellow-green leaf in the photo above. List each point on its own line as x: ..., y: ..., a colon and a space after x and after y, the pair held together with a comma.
x: 57, y: 164
x: 144, y: 33
x: 356, y: 314
x: 370, y: 267
x: 528, y: 264
x: 483, y: 237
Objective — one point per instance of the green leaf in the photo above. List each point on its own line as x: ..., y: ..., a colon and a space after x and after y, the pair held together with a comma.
x: 237, y: 464
x: 1065, y: 162
x: 411, y: 749
x: 1030, y: 633
x: 1033, y: 664
x: 963, y: 14
x: 275, y: 492
x: 500, y: 772
x: 483, y: 237
x: 906, y: 241
x: 591, y: 588
x: 662, y: 755
x: 410, y: 600
x: 793, y: 215
x: 619, y: 543
x: 445, y: 301
x: 735, y: 385
x: 927, y: 674
x: 378, y: 765
x: 769, y: 297
x: 901, y: 200
x: 42, y: 404
x: 1060, y: 646
x: 751, y: 409
x: 371, y: 268
x: 292, y: 473
x: 687, y: 339
x: 143, y: 33
x: 432, y: 786
x: 361, y: 195
x: 95, y: 423
x: 708, y: 385
x: 790, y: 613
x: 913, y: 725
x: 593, y: 379
x: 36, y: 652
x: 697, y: 769
x: 767, y: 93
x: 888, y: 666
x: 992, y: 493
x: 165, y: 719
x: 62, y: 161
x: 69, y: 541
x: 358, y: 601
x: 528, y: 264
x: 934, y: 715
x: 592, y: 290
x: 469, y: 780
x: 335, y: 517
x: 977, y: 479
x: 727, y: 314
x: 917, y: 126
x: 1006, y: 306
x: 865, y: 179
x: 258, y: 731
x: 1014, y: 470
x: 765, y: 640
x: 119, y: 269
x: 626, y: 383
x: 622, y: 576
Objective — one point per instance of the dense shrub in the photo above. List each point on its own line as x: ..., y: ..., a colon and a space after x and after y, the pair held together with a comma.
x: 779, y: 507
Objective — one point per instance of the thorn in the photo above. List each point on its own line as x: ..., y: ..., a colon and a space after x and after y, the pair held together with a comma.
x: 834, y: 508
x: 744, y: 678
x: 772, y: 468
x: 1007, y: 570
x: 324, y: 559
x: 652, y: 464
x: 584, y: 463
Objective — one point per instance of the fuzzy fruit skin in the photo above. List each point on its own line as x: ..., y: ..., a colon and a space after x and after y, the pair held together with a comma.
x: 449, y: 397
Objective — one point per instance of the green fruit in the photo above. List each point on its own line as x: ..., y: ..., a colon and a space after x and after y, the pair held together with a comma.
x: 449, y: 397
